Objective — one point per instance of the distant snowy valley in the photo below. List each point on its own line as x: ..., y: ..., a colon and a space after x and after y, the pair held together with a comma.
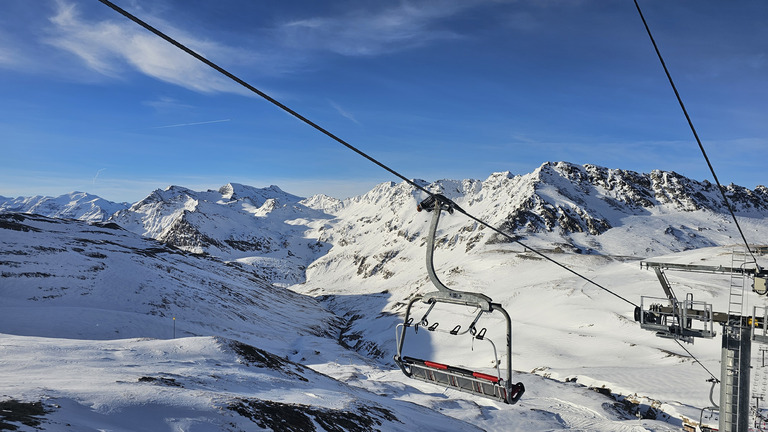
x: 248, y: 308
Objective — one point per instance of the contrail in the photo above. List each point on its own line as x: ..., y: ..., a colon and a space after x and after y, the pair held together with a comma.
x: 97, y: 175
x: 343, y: 112
x: 191, y: 124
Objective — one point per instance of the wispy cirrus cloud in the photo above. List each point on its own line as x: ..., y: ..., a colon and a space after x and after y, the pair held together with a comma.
x: 344, y: 113
x: 167, y: 104
x: 7, y: 57
x: 112, y: 48
x: 363, y: 32
x: 115, y: 47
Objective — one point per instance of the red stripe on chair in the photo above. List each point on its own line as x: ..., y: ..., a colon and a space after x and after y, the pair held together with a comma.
x: 435, y: 365
x: 486, y: 377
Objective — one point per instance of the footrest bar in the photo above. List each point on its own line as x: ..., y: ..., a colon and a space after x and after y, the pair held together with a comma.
x: 464, y: 380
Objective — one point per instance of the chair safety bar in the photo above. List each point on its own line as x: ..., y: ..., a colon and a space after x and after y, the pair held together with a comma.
x: 461, y: 379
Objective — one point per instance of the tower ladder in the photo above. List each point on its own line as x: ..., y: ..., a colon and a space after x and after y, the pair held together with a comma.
x: 737, y: 285
x: 732, y: 387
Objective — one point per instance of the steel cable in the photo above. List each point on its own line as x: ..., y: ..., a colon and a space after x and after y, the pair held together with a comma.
x: 334, y: 137
x: 695, y: 134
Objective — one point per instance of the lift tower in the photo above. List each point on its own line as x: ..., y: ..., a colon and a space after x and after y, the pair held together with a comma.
x: 688, y: 319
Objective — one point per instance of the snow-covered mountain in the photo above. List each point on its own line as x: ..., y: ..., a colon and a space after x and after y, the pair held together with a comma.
x: 591, y: 199
x: 598, y: 221
x: 578, y: 208
x: 260, y: 227
x: 220, y: 261
x: 581, y: 209
x: 76, y: 205
x: 79, y: 267
x: 106, y: 330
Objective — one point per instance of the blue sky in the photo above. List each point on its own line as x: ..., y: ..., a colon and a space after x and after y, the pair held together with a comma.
x: 435, y: 89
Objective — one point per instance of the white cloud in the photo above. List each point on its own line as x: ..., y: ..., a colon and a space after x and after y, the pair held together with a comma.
x: 6, y: 56
x: 344, y: 113
x: 167, y: 104
x: 15, y: 52
x: 116, y: 47
x: 111, y: 47
x: 364, y: 32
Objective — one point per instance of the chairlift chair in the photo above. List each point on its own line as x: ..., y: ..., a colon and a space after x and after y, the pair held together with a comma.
x: 465, y: 380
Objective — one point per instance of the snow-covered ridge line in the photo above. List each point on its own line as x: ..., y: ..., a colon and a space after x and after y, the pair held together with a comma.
x: 633, y: 189
x: 562, y: 206
x: 75, y: 205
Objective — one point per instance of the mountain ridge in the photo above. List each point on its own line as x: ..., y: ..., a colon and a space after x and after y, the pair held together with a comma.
x: 560, y: 204
x: 74, y: 205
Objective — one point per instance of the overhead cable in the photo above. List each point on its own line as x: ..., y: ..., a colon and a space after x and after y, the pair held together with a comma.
x: 324, y: 131
x: 697, y: 360
x: 695, y: 134
x: 267, y: 97
x: 509, y: 237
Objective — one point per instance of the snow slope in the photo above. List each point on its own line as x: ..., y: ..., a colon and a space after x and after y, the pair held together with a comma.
x: 87, y: 334
x: 129, y: 286
x: 96, y: 308
x: 191, y: 384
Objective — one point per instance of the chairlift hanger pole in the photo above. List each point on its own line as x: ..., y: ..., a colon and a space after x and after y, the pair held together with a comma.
x: 438, y: 204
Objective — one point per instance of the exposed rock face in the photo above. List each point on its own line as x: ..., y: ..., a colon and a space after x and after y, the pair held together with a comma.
x: 569, y: 198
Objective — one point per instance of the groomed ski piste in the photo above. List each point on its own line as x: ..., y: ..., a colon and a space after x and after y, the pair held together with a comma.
x: 103, y: 329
